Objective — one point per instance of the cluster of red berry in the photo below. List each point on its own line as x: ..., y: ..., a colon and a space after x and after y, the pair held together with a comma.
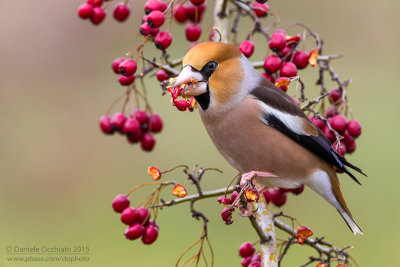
x: 94, y: 11
x: 138, y: 220
x: 138, y: 127
x: 126, y: 68
x: 193, y: 12
x: 249, y: 258
x: 278, y: 196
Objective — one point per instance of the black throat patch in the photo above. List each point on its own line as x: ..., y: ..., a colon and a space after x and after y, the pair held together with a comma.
x: 203, y: 100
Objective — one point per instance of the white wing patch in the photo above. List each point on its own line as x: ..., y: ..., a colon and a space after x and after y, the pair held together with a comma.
x: 294, y: 123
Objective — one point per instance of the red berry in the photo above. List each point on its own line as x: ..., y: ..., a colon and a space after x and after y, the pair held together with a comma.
x: 126, y: 80
x: 148, y: 142
x: 277, y: 41
x: 120, y: 203
x: 272, y: 63
x: 300, y: 59
x: 129, y: 216
x: 269, y: 77
x: 144, y: 215
x: 278, y: 198
x: 261, y: 10
x: 246, y: 250
x: 335, y: 96
x: 115, y: 64
x: 162, y: 75
x: 127, y: 67
x: 329, y: 135
x: 347, y: 140
x: 340, y: 149
x: 319, y: 123
x: 255, y: 264
x: 354, y: 128
x: 297, y: 190
x: 197, y: 2
x: 156, y: 123
x: 331, y: 112
x: 224, y: 200
x: 246, y: 261
x: 152, y: 223
x: 288, y: 69
x: 155, y: 19
x: 150, y: 235
x: 118, y: 121
x: 338, y: 123
x: 351, y: 148
x: 287, y: 53
x: 146, y: 30
x: 105, y: 124
x: 131, y: 127
x: 95, y: 2
x: 234, y: 195
x: 134, y: 231
x: 121, y: 11
x: 256, y: 258
x: 141, y: 116
x: 193, y: 32
x: 247, y: 48
x: 98, y: 15
x: 133, y: 139
x: 85, y: 11
x: 152, y: 5
x: 163, y: 40
x: 267, y: 195
x: 180, y: 13
x: 191, y: 11
x: 144, y: 19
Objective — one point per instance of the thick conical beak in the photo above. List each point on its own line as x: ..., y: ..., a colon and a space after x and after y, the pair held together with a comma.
x: 191, y: 82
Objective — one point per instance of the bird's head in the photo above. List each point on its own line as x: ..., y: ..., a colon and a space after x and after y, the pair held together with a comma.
x: 216, y: 74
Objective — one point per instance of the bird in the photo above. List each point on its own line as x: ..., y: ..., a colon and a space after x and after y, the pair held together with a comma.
x: 258, y: 128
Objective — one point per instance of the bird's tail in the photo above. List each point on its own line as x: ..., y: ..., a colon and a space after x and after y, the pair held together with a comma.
x: 351, y: 223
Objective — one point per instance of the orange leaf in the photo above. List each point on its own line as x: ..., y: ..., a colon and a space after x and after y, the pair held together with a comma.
x: 320, y: 265
x: 312, y: 59
x: 154, y: 172
x: 282, y: 81
x: 179, y: 191
x: 302, y: 233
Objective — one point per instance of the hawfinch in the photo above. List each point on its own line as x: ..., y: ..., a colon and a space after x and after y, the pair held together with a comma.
x: 258, y: 128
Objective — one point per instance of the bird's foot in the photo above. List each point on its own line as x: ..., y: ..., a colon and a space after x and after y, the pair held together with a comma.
x: 250, y: 176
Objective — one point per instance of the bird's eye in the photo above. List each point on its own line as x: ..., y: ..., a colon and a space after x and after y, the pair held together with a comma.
x: 212, y: 65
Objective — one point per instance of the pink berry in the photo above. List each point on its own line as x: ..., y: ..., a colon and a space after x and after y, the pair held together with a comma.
x: 115, y: 64
x: 354, y: 128
x: 297, y: 190
x: 352, y: 148
x: 126, y: 80
x: 134, y: 231
x: 277, y: 41
x: 118, y: 121
x: 85, y: 11
x: 300, y: 59
x: 247, y: 48
x: 267, y: 195
x: 338, y: 123
x: 144, y: 19
x: 329, y: 134
x: 197, y: 2
x: 146, y: 30
x: 335, y: 96
x: 133, y: 139
x: 255, y: 264
x: 155, y: 19
x: 121, y: 11
x: 162, y: 75
x: 272, y: 64
x: 152, y: 223
x: 319, y: 123
x: 193, y: 32
x: 144, y: 215
x: 120, y: 203
x: 152, y: 5
x: 246, y: 261
x: 180, y: 13
x: 256, y: 258
x: 163, y: 40
x: 127, y: 67
x: 129, y: 216
x: 141, y: 116
x: 148, y: 142
x: 234, y: 195
x: 269, y: 77
x: 131, y: 127
x: 278, y: 198
x: 261, y: 10
x: 95, y: 2
x: 286, y: 53
x: 246, y: 249
x: 155, y: 123
x: 331, y: 112
x: 288, y: 69
x: 150, y: 235
x: 340, y: 149
x: 98, y: 15
x: 192, y: 10
x: 347, y: 140
x: 105, y: 124
x: 224, y: 200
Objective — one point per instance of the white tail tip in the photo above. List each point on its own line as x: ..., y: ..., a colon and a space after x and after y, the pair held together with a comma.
x: 351, y: 222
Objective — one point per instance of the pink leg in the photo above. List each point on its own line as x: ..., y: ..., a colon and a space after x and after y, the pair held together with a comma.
x: 249, y: 176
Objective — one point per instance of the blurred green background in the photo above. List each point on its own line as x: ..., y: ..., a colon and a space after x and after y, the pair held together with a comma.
x: 59, y: 174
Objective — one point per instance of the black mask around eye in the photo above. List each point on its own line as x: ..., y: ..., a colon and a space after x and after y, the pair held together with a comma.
x: 208, y: 69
